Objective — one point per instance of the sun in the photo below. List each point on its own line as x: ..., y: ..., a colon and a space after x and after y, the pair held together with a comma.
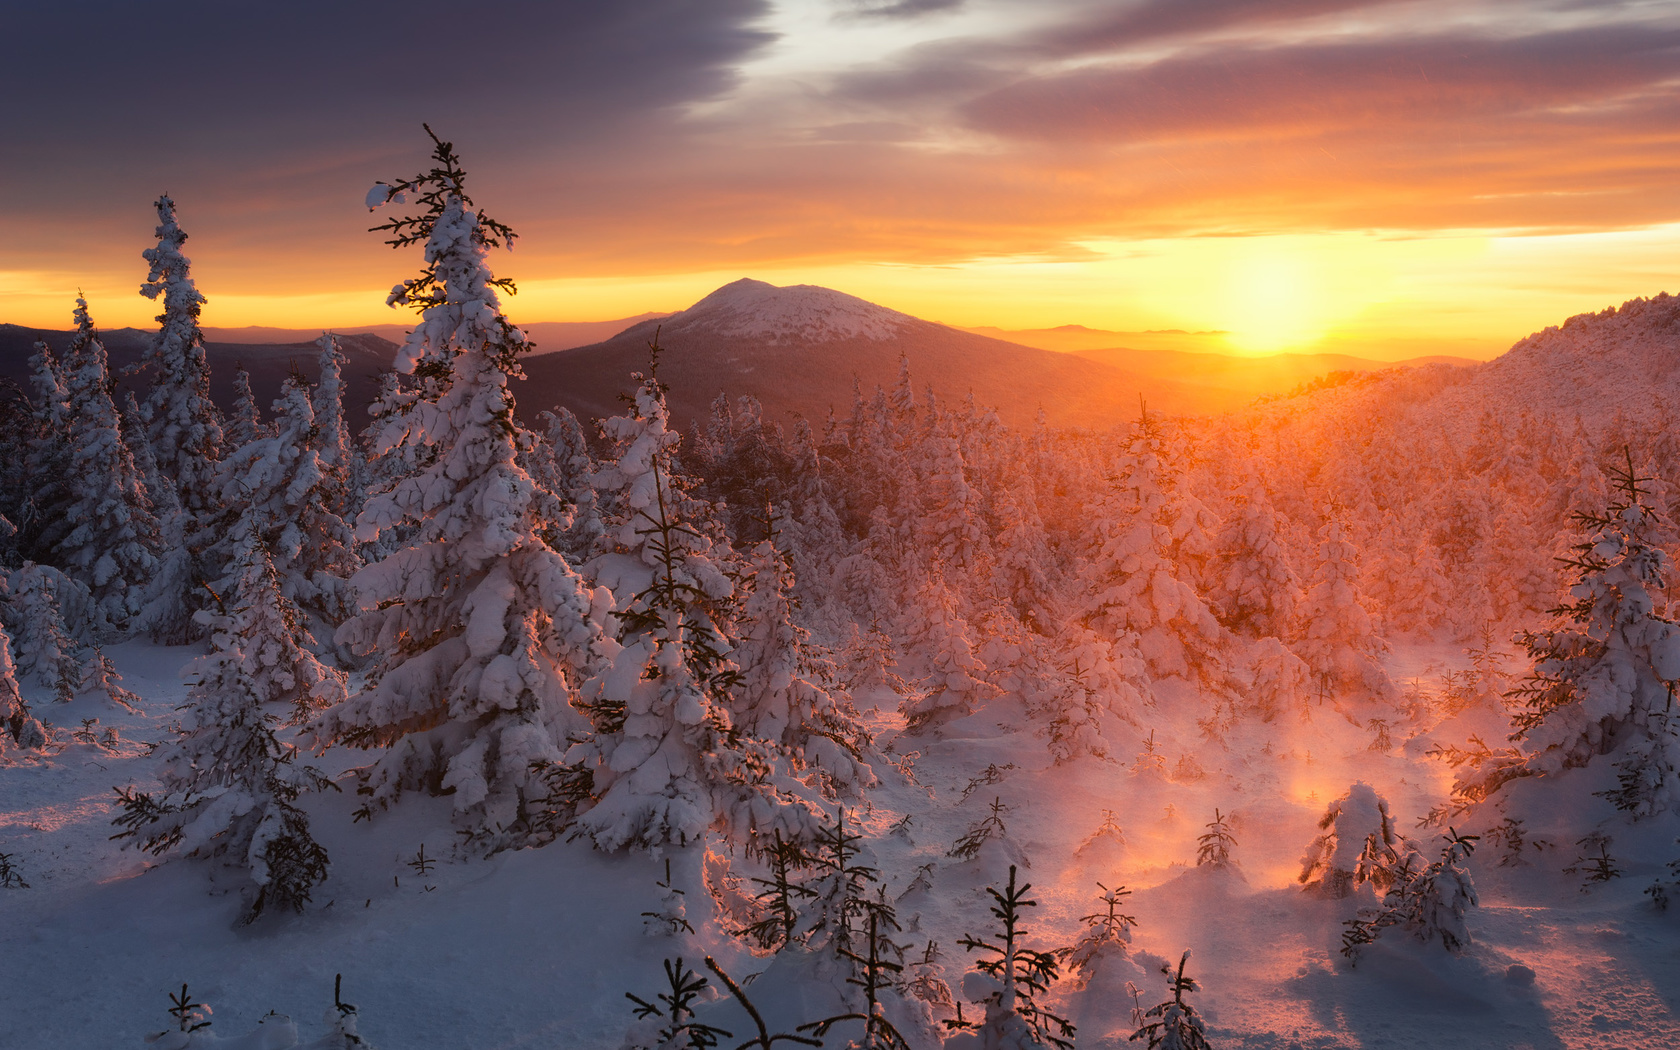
x: 1272, y: 301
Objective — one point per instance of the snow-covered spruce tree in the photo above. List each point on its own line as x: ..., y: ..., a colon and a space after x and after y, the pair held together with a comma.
x: 42, y: 604
x: 334, y: 449
x: 1009, y: 982
x: 938, y: 642
x: 784, y: 696
x: 1359, y: 845
x: 477, y: 629
x: 1604, y: 682
x: 667, y: 761
x: 1430, y: 904
x: 43, y: 521
x: 1179, y: 1026
x: 1107, y: 935
x: 1213, y: 848
x: 279, y: 474
x: 1339, y: 641
x: 230, y: 786
x: 159, y: 489
x: 560, y: 461
x: 113, y: 538
x: 279, y: 663
x: 184, y: 429
x: 183, y: 424
x: 244, y: 424
x: 19, y: 729
x: 1069, y: 683
x: 1130, y: 577
x: 1253, y: 586
x: 948, y: 524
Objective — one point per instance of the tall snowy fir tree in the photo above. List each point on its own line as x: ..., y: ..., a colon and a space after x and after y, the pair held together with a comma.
x: 183, y: 424
x: 562, y: 463
x: 1340, y: 643
x: 1254, y: 587
x: 113, y: 537
x: 667, y: 762
x: 244, y: 424
x: 280, y: 474
x: 279, y: 664
x: 334, y: 448
x: 44, y: 613
x: 784, y: 696
x: 1603, y: 683
x: 44, y: 522
x: 230, y: 785
x: 478, y: 630
x: 19, y: 729
x: 184, y: 430
x: 1132, y: 583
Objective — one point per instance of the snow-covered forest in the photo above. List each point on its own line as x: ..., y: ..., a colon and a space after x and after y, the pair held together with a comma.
x: 1345, y: 720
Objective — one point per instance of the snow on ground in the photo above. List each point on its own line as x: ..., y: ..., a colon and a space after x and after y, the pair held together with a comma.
x: 536, y: 948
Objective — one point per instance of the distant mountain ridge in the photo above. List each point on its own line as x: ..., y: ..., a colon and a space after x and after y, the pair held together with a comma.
x: 1616, y: 368
x: 802, y: 350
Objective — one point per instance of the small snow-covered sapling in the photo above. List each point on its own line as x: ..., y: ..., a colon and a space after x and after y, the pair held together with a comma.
x: 1380, y: 738
x: 1178, y: 1027
x: 1512, y: 839
x: 925, y: 983
x: 841, y: 886
x: 1014, y: 977
x: 1430, y: 904
x: 684, y: 988
x: 102, y: 675
x: 1657, y: 891
x: 1149, y: 761
x: 1596, y: 866
x: 1107, y: 932
x: 968, y: 847
x: 1214, y: 847
x: 672, y: 917
x: 874, y: 972
x: 781, y: 895
x: 992, y: 774
x: 189, y: 1016
x: 343, y: 1017
x: 1109, y: 830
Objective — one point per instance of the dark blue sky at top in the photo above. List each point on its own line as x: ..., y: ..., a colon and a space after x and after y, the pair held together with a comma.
x: 263, y: 107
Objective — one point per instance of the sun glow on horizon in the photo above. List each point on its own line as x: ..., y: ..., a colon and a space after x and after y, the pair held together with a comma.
x: 1372, y: 294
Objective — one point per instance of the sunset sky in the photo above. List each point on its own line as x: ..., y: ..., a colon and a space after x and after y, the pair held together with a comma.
x: 1385, y: 178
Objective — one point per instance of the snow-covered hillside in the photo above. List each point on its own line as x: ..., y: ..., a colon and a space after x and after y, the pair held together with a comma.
x: 798, y: 314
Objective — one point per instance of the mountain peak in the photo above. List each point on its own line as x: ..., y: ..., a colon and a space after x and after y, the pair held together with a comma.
x: 801, y: 313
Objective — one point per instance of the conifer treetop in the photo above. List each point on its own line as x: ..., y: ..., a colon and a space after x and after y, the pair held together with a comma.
x: 183, y: 423
x: 455, y: 292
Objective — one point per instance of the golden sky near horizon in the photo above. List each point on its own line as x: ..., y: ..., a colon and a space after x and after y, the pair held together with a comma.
x: 1380, y: 177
